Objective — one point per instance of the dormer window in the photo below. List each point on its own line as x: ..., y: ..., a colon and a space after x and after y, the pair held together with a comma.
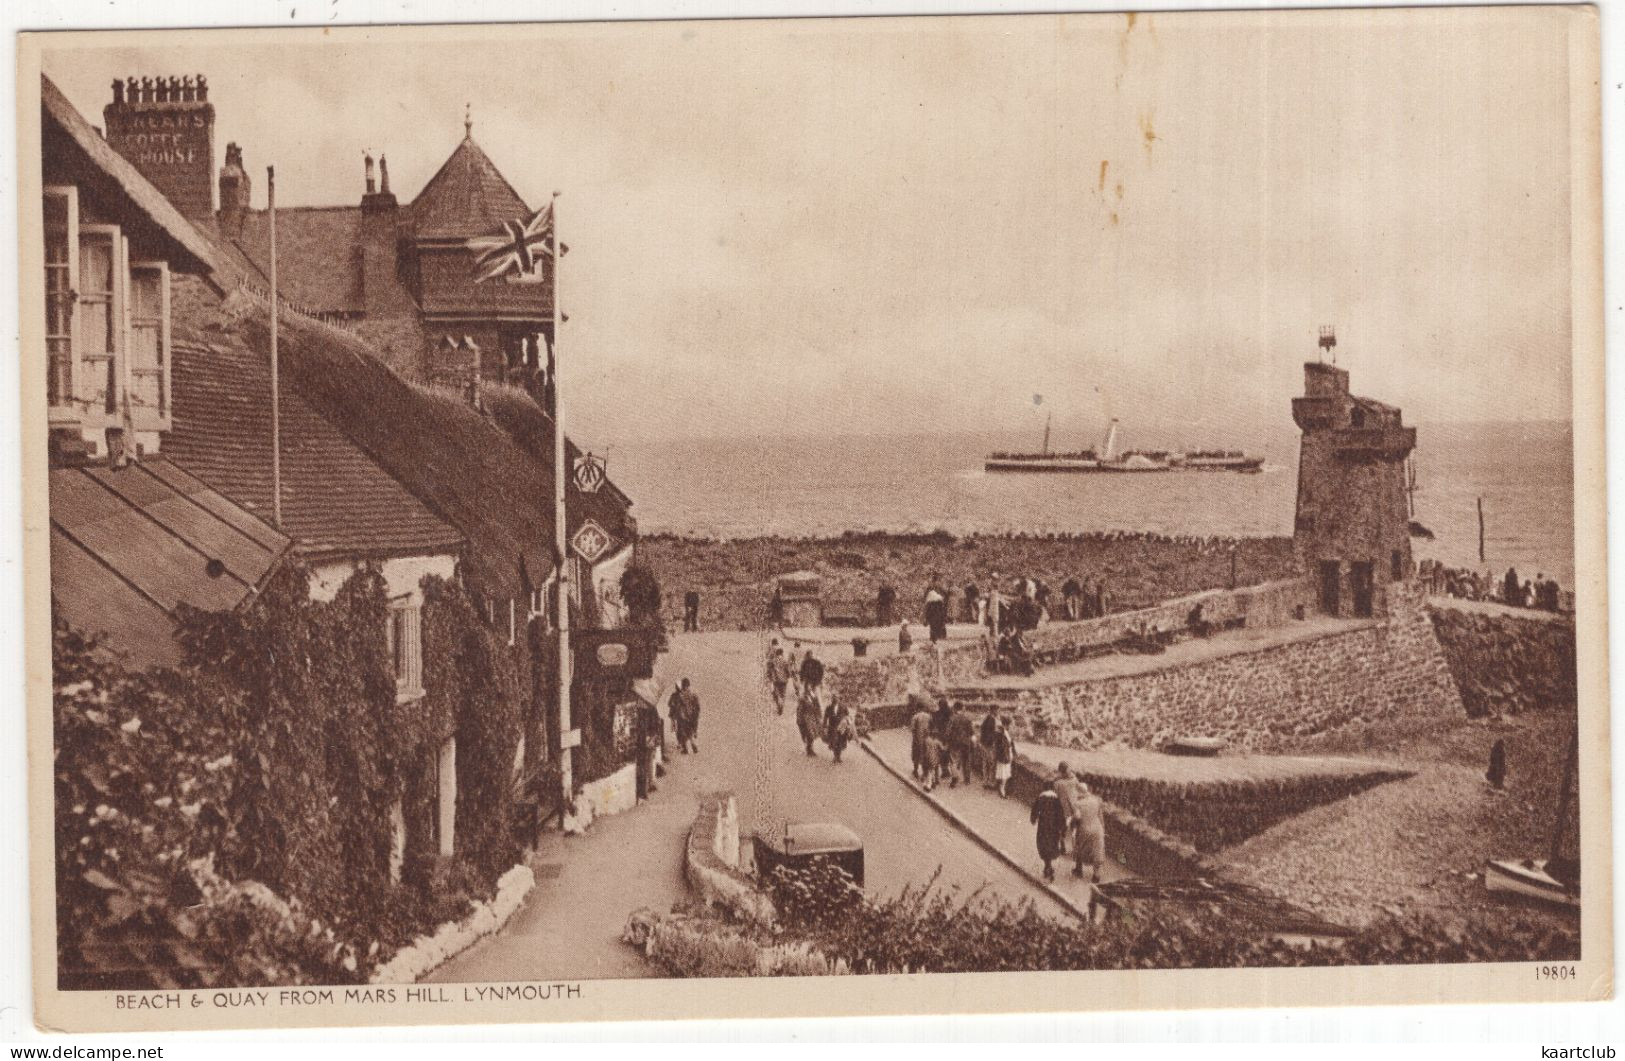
x: 106, y: 323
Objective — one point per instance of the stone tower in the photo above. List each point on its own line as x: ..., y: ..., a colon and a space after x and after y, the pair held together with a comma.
x: 165, y: 127
x: 1353, y: 521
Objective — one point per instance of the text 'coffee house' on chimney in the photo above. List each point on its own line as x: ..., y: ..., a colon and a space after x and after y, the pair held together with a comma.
x: 399, y: 274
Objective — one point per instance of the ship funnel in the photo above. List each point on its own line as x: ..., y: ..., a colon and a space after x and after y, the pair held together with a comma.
x: 1108, y: 451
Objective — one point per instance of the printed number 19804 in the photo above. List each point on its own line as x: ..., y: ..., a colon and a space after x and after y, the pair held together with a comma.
x: 1556, y: 972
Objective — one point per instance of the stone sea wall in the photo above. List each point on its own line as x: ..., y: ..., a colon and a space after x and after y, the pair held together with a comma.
x: 1263, y: 700
x: 1506, y: 663
x: 889, y: 679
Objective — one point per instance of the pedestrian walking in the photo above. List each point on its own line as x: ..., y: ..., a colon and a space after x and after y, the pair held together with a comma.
x: 905, y: 640
x: 919, y: 728
x: 778, y: 676
x: 691, y: 611
x: 650, y: 731
x: 973, y: 604
x: 812, y: 673
x: 984, y: 744
x: 684, y: 708
x: 936, y: 611
x: 1050, y: 819
x: 1070, y: 790
x: 809, y: 717
x: 935, y: 754
x: 1088, y: 834
x: 1004, y: 758
x: 961, y: 741
x: 838, y: 728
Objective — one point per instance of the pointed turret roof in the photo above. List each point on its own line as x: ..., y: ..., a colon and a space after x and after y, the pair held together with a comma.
x: 466, y: 197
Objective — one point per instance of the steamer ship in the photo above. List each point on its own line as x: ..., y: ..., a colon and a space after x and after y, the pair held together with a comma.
x: 1108, y: 459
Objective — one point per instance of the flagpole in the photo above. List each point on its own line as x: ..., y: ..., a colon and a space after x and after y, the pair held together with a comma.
x: 276, y: 412
x: 560, y: 537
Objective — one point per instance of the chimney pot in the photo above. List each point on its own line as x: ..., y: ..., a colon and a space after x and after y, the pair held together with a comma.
x: 202, y: 88
x: 118, y: 91
x: 383, y: 174
x: 371, y: 188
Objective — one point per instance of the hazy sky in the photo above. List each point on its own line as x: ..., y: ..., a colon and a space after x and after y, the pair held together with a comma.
x: 899, y: 225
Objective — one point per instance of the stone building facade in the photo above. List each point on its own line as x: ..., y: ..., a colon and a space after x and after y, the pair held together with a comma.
x: 1353, y: 519
x: 398, y: 274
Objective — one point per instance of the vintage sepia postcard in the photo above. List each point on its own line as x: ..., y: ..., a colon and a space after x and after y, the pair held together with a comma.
x: 808, y: 517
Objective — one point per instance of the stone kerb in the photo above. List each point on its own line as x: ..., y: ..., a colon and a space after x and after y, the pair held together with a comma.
x: 711, y: 864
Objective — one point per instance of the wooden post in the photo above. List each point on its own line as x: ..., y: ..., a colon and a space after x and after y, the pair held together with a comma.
x: 561, y: 541
x: 1481, y: 530
x: 276, y: 411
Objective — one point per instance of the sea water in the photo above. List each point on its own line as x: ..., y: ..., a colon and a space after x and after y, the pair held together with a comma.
x: 744, y: 487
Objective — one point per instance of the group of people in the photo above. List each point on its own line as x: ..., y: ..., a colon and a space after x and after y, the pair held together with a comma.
x: 819, y: 714
x: 1067, y: 814
x: 948, y: 745
x: 1540, y: 592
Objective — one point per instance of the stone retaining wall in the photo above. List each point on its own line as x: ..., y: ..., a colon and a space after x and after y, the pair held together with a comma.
x: 1130, y: 839
x: 889, y: 679
x: 1504, y: 663
x: 711, y: 864
x: 1262, y: 700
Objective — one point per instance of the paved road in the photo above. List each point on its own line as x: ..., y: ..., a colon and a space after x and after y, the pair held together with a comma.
x: 587, y: 885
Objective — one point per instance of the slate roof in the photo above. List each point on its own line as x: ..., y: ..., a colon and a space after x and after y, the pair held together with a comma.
x: 318, y: 255
x: 130, y: 546
x: 466, y: 197
x: 335, y: 500
x: 468, y: 467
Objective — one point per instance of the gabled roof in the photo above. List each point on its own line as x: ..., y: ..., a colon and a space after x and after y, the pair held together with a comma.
x: 318, y: 255
x: 130, y: 546
x: 462, y: 463
x: 466, y: 197
x: 121, y: 180
x: 335, y: 500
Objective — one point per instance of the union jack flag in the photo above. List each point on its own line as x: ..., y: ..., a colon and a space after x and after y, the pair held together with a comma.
x: 515, y: 248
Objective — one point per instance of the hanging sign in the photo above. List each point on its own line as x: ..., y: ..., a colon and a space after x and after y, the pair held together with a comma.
x: 570, y: 738
x: 626, y: 652
x: 591, y: 542
x: 589, y: 473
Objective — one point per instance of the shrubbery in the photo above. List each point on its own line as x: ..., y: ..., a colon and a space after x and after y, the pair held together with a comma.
x: 228, y: 822
x: 144, y: 779
x: 928, y: 930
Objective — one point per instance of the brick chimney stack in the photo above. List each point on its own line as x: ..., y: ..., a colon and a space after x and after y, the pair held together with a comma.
x: 165, y: 127
x: 234, y: 193
x: 380, y: 237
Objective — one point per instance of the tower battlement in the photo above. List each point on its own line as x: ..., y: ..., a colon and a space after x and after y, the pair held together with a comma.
x: 1353, y: 516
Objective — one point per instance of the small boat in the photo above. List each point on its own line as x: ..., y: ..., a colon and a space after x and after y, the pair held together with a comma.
x: 1528, y: 877
x: 1555, y: 879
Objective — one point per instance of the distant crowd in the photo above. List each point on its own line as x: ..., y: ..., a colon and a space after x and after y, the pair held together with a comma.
x: 1540, y: 592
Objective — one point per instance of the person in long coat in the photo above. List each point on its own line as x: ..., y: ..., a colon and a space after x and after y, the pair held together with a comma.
x: 919, y: 726
x: 936, y: 613
x: 838, y: 728
x: 809, y: 718
x: 1089, y: 833
x: 1051, y: 821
